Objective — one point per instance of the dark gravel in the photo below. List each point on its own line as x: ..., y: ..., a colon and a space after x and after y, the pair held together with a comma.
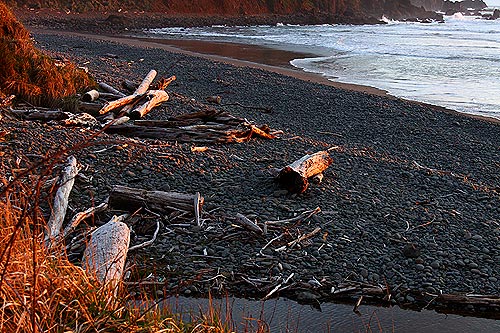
x: 405, y: 175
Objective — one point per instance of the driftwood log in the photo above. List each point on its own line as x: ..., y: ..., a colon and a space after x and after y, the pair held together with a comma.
x: 294, y: 177
x: 122, y: 102
x: 65, y: 183
x: 43, y: 115
x: 141, y: 90
x: 110, y: 89
x: 130, y: 199
x: 106, y: 253
x: 155, y: 98
x: 90, y: 96
x: 208, y: 126
x: 246, y: 223
x: 79, y: 217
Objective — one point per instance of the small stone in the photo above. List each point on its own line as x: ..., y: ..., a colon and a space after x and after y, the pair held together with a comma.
x: 410, y: 299
x: 435, y: 264
x: 129, y: 173
x: 411, y: 251
x: 477, y: 237
x: 419, y: 261
x: 492, y: 279
x: 473, y: 265
x: 476, y: 271
x: 363, y: 272
x: 420, y: 267
x: 187, y: 292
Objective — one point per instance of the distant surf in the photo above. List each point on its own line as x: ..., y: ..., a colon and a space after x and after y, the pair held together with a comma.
x: 455, y: 64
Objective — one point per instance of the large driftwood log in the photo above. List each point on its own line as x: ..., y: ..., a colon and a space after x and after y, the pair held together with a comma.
x: 128, y: 198
x: 155, y: 98
x: 294, y: 177
x: 141, y: 89
x: 65, y: 182
x: 90, y: 108
x: 106, y: 252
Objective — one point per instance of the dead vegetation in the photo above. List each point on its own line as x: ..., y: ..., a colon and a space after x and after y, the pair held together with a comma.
x: 31, y: 75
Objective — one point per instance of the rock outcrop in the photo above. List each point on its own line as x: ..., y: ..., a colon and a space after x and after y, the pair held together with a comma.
x: 311, y: 11
x: 450, y: 6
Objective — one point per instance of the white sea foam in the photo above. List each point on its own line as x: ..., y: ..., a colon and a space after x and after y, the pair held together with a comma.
x: 454, y: 64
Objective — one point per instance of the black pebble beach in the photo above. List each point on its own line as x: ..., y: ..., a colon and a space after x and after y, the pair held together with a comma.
x: 412, y: 199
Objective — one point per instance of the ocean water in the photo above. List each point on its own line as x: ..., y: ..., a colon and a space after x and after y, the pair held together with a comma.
x: 455, y: 64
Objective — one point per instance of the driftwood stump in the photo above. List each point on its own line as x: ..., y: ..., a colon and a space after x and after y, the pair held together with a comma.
x: 106, y: 252
x: 294, y: 177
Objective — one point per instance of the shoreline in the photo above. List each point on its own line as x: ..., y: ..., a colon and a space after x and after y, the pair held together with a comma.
x: 225, y: 52
x: 401, y: 165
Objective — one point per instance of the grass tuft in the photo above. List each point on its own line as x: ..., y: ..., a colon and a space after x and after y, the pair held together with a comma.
x: 28, y: 73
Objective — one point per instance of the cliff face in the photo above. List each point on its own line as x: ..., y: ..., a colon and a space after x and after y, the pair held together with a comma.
x: 444, y: 5
x: 335, y: 9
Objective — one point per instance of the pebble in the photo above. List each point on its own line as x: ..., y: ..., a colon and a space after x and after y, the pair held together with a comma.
x: 435, y: 264
x: 360, y: 189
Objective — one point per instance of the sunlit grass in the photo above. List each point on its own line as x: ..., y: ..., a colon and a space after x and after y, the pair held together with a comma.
x: 42, y: 291
x: 28, y: 73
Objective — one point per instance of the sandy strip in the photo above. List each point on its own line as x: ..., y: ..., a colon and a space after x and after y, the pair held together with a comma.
x: 231, y: 53
x: 188, y: 47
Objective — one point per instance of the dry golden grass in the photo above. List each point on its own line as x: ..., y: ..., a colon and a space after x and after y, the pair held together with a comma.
x: 28, y: 73
x: 42, y: 291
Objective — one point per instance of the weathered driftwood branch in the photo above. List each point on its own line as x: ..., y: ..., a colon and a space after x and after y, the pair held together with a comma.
x: 197, y: 208
x: 304, y: 216
x: 124, y: 101
x: 304, y: 237
x: 149, y: 242
x: 246, y: 223
x: 118, y: 121
x: 164, y: 83
x: 41, y: 115
x: 210, y: 133
x: 129, y: 85
x: 90, y: 108
x: 155, y: 98
x: 106, y: 252
x: 294, y: 177
x: 65, y: 182
x: 128, y: 198
x: 79, y: 217
x: 110, y: 89
x: 141, y: 89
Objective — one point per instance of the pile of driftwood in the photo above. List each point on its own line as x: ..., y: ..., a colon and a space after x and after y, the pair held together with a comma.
x: 208, y: 126
x: 118, y: 112
x: 106, y: 250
